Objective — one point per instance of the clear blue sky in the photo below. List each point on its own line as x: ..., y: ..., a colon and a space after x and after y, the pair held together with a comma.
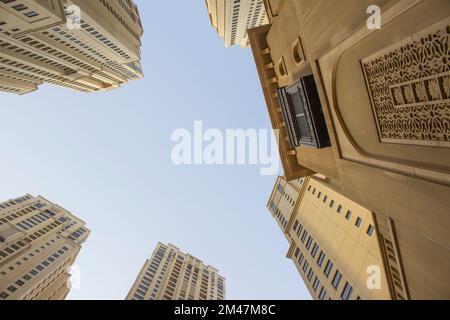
x: 106, y: 158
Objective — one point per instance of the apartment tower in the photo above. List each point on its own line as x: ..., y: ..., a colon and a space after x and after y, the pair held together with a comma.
x: 333, y: 241
x: 82, y: 45
x: 39, y: 242
x: 232, y: 19
x: 173, y: 275
x: 368, y: 109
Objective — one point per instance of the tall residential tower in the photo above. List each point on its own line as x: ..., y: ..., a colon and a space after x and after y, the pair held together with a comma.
x: 232, y: 19
x: 369, y: 110
x: 172, y: 275
x: 83, y: 45
x: 39, y: 242
x: 334, y: 243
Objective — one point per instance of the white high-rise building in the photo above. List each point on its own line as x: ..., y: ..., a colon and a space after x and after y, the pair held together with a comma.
x: 173, y: 275
x: 232, y: 19
x: 39, y: 243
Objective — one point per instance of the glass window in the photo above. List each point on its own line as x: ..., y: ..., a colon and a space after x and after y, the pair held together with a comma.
x: 310, y: 274
x: 305, y: 266
x: 348, y: 216
x: 322, y: 293
x: 314, y: 250
x: 347, y: 292
x: 316, y: 283
x: 336, y: 279
x: 320, y: 259
x: 358, y: 222
x: 308, y: 244
x: 300, y: 115
x: 370, y: 230
x: 328, y: 268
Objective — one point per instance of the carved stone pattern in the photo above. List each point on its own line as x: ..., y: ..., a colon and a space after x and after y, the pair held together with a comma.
x: 410, y: 89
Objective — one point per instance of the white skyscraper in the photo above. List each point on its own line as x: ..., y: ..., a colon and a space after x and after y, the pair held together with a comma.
x: 232, y: 19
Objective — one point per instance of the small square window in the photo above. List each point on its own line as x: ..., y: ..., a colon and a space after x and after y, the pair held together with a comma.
x: 20, y: 283
x: 12, y: 289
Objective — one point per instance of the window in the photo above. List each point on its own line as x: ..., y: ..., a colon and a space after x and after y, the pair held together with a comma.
x: 347, y: 292
x: 20, y: 283
x: 314, y: 250
x: 336, y: 279
x: 31, y: 14
x: 339, y: 209
x: 280, y: 188
x: 348, y: 215
x: 358, y: 222
x: 370, y: 230
x: 20, y: 7
x: 300, y: 260
x: 316, y: 283
x: 304, y: 236
x: 274, y: 207
x: 309, y: 242
x: 303, y: 114
x: 322, y: 293
x: 305, y: 266
x: 310, y: 274
x: 328, y: 268
x: 12, y: 289
x: 320, y: 259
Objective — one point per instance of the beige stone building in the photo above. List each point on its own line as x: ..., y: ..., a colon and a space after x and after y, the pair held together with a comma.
x: 39, y: 242
x: 333, y: 241
x: 173, y: 275
x: 83, y: 45
x: 232, y: 19
x: 369, y: 110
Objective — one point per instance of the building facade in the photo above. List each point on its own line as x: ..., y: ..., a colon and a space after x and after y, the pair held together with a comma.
x: 369, y: 110
x: 232, y: 19
x: 172, y: 275
x: 82, y: 45
x: 39, y: 242
x: 333, y: 241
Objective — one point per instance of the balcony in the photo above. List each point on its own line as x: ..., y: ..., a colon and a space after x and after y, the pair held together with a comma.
x: 302, y: 112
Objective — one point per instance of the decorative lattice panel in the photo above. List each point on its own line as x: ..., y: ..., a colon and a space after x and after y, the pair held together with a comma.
x: 409, y: 85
